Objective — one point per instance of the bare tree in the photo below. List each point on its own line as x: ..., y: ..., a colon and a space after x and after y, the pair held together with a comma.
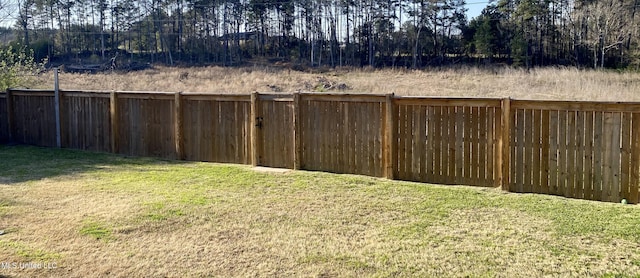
x: 608, y: 25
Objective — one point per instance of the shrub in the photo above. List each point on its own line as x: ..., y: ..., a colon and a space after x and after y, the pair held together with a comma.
x: 18, y: 67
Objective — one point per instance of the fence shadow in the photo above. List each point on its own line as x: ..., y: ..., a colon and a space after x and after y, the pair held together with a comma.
x: 22, y: 163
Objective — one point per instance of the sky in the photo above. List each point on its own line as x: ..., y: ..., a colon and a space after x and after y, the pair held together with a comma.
x: 475, y: 8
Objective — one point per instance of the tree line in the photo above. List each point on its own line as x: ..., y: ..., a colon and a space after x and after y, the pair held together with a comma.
x: 377, y: 33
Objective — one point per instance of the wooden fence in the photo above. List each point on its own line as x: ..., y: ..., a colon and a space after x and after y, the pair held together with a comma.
x: 587, y: 150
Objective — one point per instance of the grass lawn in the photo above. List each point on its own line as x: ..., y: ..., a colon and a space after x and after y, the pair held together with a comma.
x: 80, y: 214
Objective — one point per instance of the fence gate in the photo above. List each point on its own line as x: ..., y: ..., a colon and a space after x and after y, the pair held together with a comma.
x: 274, y: 126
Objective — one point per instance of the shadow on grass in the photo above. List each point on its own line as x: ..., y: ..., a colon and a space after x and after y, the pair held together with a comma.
x: 20, y: 163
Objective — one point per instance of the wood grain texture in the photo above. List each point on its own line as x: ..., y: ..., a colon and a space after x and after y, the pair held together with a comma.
x: 4, y: 119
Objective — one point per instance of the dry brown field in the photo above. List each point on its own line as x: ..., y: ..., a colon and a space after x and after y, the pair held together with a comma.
x: 542, y: 83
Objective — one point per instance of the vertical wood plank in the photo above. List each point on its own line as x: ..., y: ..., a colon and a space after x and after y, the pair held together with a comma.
x: 348, y: 133
x: 496, y: 152
x: 254, y: 129
x: 415, y: 138
x: 10, y: 116
x: 297, y: 133
x: 528, y: 150
x: 331, y: 119
x: 459, y: 145
x: 473, y: 145
x: 113, y: 117
x: 572, y: 131
x: 340, y: 138
x: 580, y: 154
x: 635, y: 159
x: 588, y: 156
x: 625, y: 172
x: 437, y: 140
x: 324, y: 150
x: 359, y: 162
x: 562, y: 152
x: 537, y: 151
x: 607, y: 171
x: 370, y: 139
x: 444, y: 152
x: 422, y: 143
x: 615, y: 157
x: 401, y: 127
x: 451, y: 142
x: 468, y: 115
x: 485, y: 160
x: 430, y: 145
x: 544, y: 152
x: 505, y: 145
x: 178, y: 128
x: 520, y: 151
x: 598, y: 155
x: 389, y: 137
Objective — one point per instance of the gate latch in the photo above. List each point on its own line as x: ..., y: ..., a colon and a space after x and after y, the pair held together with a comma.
x: 259, y: 122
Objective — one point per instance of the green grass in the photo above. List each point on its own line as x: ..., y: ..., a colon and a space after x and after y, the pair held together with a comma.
x: 233, y: 221
x: 28, y: 253
x: 95, y: 229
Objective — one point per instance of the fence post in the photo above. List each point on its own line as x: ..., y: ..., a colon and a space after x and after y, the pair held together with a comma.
x: 297, y: 147
x: 58, y: 105
x: 389, y: 145
x: 254, y: 129
x: 10, y: 114
x: 178, y: 126
x: 113, y: 114
x: 504, y: 144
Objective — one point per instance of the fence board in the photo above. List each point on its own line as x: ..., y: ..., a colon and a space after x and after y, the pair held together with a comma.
x: 626, y: 156
x: 579, y: 154
x: 467, y: 165
x: 528, y: 150
x: 323, y: 140
x: 534, y: 142
x: 598, y: 152
x: 347, y: 138
x: 588, y: 159
x: 443, y: 138
x: 430, y: 146
x: 414, y: 112
x: 34, y: 121
x: 562, y: 152
x: 402, y: 142
x: 421, y: 144
x: 451, y: 141
x: 437, y: 149
x: 570, y: 171
x: 519, y: 154
x: 146, y: 127
x: 615, y: 158
x: 475, y: 143
x: 87, y: 123
x: 544, y: 151
x: 483, y: 161
x: 459, y: 145
x: 492, y: 155
x: 635, y: 159
x: 4, y: 119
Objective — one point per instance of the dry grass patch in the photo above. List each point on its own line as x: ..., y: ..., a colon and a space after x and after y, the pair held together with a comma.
x: 100, y: 215
x: 539, y: 83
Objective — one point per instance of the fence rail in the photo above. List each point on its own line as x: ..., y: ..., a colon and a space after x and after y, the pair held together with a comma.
x: 587, y: 150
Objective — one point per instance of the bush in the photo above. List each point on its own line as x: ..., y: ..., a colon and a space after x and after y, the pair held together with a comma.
x: 18, y: 67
